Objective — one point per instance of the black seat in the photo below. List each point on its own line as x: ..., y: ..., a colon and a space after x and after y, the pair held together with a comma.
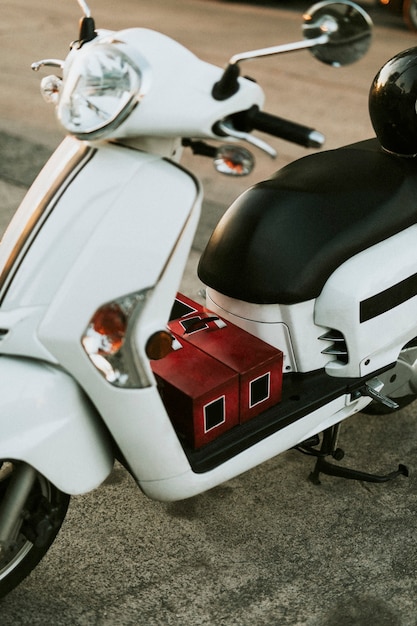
x: 281, y: 240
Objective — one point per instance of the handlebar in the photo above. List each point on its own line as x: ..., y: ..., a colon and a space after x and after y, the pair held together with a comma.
x: 254, y: 119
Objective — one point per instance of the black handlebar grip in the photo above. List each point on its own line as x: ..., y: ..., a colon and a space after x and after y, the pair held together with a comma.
x: 290, y: 131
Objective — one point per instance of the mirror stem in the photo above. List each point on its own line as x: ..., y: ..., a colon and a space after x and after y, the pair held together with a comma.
x: 286, y: 47
x: 228, y: 85
x: 87, y: 30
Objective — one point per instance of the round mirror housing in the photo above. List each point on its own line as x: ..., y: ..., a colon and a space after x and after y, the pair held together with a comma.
x: 337, y: 33
x: 349, y: 30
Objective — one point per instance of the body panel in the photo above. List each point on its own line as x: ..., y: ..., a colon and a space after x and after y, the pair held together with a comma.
x: 48, y: 422
x: 189, y: 483
x: 375, y: 342
x: 109, y: 232
x: 291, y: 328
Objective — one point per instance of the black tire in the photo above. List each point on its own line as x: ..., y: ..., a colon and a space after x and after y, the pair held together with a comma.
x: 42, y: 517
x: 410, y: 14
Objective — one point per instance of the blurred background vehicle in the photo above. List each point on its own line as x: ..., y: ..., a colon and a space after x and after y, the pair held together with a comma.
x: 408, y: 9
x: 405, y: 9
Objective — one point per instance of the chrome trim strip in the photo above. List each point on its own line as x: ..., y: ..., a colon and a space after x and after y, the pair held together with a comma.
x: 41, y: 212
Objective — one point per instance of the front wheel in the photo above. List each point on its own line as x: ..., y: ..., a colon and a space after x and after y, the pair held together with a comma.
x: 410, y: 13
x: 38, y: 523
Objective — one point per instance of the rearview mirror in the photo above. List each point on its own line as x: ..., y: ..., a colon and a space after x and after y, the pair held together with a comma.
x: 349, y: 30
x: 337, y: 33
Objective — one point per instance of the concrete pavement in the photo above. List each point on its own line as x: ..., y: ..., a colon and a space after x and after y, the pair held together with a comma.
x: 268, y: 548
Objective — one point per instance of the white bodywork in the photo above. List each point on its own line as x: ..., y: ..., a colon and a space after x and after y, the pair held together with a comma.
x: 47, y: 421
x: 298, y: 329
x: 114, y: 240
x: 374, y: 343
x: 290, y: 328
x: 104, y: 220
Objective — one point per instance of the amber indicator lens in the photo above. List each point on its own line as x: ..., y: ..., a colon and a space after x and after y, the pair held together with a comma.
x: 159, y: 345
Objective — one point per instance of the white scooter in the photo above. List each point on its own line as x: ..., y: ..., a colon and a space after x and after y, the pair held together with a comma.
x: 301, y: 292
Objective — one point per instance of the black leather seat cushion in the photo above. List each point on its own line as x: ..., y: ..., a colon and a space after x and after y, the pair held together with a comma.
x: 281, y: 240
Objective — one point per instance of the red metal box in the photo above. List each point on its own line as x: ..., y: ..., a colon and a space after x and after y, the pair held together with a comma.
x: 258, y: 364
x: 200, y: 394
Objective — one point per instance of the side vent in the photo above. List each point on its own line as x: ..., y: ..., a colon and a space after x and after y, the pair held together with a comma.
x: 338, y: 348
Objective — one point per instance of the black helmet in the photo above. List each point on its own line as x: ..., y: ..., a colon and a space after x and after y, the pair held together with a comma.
x: 393, y: 102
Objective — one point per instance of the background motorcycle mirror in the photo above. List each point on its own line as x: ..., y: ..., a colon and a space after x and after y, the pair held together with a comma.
x: 349, y: 30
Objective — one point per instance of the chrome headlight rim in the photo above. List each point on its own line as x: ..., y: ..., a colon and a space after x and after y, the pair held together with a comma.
x: 96, y: 52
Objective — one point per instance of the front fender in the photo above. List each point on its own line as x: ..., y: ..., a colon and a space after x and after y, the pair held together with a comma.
x: 47, y: 421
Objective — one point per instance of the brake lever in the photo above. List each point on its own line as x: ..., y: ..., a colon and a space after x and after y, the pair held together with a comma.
x: 230, y: 131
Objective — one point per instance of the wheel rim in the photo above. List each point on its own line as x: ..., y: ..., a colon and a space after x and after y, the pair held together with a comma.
x: 23, y: 546
x: 8, y: 564
x: 401, y: 380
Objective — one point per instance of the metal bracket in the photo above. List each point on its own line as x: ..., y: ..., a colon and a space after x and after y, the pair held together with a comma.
x: 329, y: 448
x: 372, y: 389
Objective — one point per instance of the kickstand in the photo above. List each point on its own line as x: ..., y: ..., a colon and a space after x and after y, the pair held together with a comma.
x: 329, y: 448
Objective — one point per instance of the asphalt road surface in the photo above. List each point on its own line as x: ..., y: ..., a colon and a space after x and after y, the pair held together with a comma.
x: 267, y: 548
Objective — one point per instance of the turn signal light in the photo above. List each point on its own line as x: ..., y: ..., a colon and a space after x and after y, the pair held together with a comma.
x: 109, y: 324
x: 109, y: 341
x: 159, y: 345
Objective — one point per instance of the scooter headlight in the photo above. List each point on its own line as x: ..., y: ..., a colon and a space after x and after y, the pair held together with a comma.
x: 102, y: 88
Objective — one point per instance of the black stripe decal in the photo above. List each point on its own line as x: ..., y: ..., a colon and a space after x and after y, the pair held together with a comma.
x: 388, y: 299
